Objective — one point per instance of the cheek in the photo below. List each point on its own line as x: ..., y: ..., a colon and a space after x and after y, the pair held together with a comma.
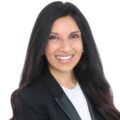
x: 78, y: 46
x: 50, y: 49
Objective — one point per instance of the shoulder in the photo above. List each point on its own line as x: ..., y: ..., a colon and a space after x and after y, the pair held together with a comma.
x: 35, y: 93
x: 32, y: 102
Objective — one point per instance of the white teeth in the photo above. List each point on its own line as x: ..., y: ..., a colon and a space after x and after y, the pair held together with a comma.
x: 64, y: 57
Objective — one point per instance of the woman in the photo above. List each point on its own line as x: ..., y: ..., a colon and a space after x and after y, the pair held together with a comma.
x: 62, y: 78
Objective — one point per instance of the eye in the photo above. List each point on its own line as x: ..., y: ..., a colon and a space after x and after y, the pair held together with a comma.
x: 53, y: 37
x: 74, y: 36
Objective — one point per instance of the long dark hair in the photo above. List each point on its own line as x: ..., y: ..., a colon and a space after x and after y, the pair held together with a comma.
x: 89, y: 70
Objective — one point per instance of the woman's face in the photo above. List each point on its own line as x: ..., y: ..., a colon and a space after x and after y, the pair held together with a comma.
x: 64, y: 47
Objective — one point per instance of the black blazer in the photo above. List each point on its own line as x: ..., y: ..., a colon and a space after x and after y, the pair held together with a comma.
x: 44, y: 99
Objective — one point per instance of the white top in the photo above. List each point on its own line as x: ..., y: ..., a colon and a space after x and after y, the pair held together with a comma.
x: 78, y: 99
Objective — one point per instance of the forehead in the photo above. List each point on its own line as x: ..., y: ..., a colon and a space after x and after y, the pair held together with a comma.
x: 65, y: 24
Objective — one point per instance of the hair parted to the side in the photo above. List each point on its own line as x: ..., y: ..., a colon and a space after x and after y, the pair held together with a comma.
x: 89, y: 70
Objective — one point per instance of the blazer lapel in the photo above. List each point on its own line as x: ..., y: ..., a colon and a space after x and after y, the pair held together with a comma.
x: 94, y: 114
x: 67, y: 107
x: 60, y: 97
x: 91, y: 110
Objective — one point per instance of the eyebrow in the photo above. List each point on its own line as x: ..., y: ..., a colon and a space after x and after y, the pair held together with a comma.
x: 70, y: 33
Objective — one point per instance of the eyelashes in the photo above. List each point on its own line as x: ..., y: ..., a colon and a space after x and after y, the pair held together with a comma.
x: 53, y: 37
x: 71, y: 36
x: 74, y: 36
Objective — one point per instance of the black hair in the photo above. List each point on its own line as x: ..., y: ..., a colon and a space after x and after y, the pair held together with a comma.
x: 89, y: 70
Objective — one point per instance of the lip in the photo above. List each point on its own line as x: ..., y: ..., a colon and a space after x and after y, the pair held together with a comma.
x: 64, y: 58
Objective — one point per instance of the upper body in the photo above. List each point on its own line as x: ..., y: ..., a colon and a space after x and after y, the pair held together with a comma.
x: 44, y: 99
x: 62, y: 53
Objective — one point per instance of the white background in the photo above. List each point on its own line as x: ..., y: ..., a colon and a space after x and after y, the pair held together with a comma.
x: 17, y: 18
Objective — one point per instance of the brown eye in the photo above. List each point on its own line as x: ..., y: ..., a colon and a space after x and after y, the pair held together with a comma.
x: 74, y: 36
x: 52, y: 37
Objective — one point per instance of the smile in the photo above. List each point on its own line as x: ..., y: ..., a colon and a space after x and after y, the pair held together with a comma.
x: 64, y: 58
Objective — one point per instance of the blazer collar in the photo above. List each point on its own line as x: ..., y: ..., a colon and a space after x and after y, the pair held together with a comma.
x: 60, y: 97
x: 62, y: 100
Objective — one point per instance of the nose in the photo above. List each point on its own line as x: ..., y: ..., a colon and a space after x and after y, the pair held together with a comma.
x: 65, y: 46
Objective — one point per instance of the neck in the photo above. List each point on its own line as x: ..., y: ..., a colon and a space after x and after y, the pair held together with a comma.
x: 66, y: 79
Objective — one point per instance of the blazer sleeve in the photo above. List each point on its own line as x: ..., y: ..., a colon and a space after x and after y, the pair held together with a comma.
x: 29, y: 108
